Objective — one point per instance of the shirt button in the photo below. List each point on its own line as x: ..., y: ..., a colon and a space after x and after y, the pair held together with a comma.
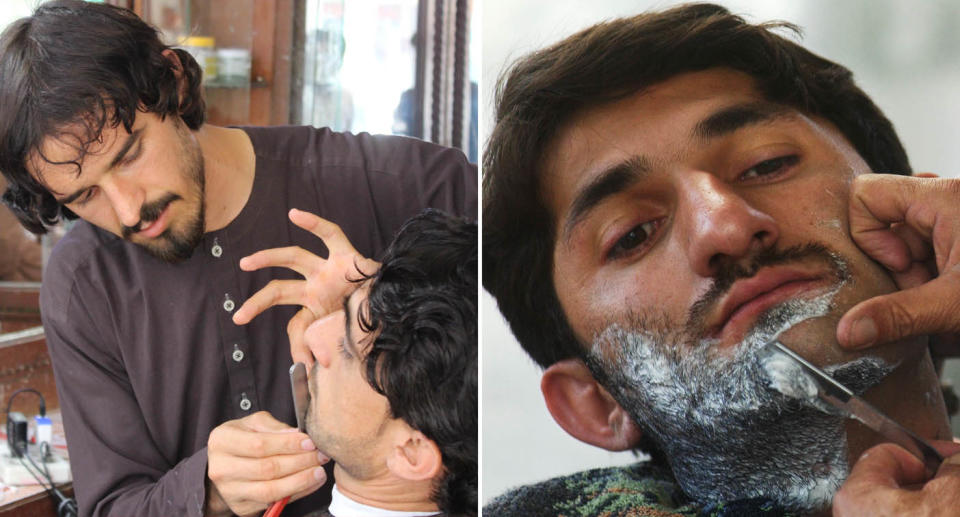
x: 237, y: 354
x: 245, y: 402
x: 228, y: 304
x: 216, y: 250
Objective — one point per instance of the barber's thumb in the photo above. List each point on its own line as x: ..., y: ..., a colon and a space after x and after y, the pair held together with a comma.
x: 931, y: 308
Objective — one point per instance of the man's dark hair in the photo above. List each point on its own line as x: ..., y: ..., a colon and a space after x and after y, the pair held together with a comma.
x: 610, y: 61
x: 74, y: 63
x: 423, y: 307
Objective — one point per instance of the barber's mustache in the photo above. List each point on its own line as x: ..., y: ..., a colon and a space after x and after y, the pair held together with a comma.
x: 730, y: 272
x: 149, y: 212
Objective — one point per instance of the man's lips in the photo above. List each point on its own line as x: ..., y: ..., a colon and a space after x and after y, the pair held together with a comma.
x: 749, y: 298
x: 157, y: 226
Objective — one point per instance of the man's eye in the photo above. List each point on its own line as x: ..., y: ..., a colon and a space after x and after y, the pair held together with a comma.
x: 632, y: 240
x: 770, y: 167
x: 343, y: 350
x: 86, y: 196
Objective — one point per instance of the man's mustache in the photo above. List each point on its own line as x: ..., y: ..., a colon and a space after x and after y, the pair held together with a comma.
x: 731, y: 271
x: 149, y: 212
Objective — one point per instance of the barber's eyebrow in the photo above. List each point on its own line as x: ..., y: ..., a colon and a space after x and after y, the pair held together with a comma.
x: 348, y: 338
x: 738, y: 116
x: 609, y: 182
x: 124, y: 149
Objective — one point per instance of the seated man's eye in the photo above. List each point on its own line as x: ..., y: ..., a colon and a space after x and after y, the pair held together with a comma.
x: 343, y: 350
x: 632, y: 240
x: 769, y: 167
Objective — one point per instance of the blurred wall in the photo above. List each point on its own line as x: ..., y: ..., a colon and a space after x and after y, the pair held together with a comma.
x: 906, y: 56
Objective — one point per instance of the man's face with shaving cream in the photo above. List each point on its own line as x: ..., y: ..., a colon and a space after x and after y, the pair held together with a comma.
x: 698, y: 205
x: 695, y: 221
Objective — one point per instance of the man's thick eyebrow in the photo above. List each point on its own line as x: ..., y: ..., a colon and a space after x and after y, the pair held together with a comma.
x: 347, y: 338
x: 611, y: 181
x: 132, y: 139
x: 732, y: 118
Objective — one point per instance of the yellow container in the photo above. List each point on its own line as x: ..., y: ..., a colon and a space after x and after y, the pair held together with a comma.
x: 202, y: 48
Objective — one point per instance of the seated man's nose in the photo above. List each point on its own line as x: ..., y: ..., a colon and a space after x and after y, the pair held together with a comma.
x: 725, y: 225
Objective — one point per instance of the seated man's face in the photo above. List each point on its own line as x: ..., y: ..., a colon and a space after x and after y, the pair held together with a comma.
x: 346, y: 419
x: 695, y: 221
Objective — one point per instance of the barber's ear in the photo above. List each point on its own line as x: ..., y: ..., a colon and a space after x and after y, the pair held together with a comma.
x: 414, y: 456
x: 584, y: 409
x: 174, y: 59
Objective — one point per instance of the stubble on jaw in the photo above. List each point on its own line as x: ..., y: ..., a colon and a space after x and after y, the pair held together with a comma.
x: 726, y: 433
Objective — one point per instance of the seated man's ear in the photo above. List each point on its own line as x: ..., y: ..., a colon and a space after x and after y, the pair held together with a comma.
x: 414, y: 456
x: 584, y: 409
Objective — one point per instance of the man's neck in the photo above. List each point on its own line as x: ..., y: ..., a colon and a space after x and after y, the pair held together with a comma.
x: 229, y: 163
x: 910, y: 395
x: 386, y: 491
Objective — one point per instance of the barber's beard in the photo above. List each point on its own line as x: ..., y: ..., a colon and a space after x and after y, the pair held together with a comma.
x: 726, y: 433
x: 182, y: 237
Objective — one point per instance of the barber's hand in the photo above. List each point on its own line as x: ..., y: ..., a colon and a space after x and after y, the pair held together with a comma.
x: 321, y: 291
x: 888, y: 480
x: 256, y: 460
x: 911, y: 225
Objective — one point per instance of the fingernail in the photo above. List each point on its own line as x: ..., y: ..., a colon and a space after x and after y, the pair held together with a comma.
x: 863, y: 333
x: 308, y: 445
x: 322, y: 458
x: 319, y: 474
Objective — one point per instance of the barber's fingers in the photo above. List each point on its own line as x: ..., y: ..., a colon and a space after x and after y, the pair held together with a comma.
x: 269, y: 467
x: 296, y: 329
x: 927, y: 205
x: 291, y: 257
x: 334, y: 238
x: 931, y: 308
x: 873, y: 487
x: 276, y: 292
x: 330, y: 233
x: 253, y: 496
x: 897, y: 220
x: 255, y: 440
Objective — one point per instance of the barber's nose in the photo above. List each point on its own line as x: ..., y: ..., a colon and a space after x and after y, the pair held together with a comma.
x: 723, y: 226
x: 125, y: 197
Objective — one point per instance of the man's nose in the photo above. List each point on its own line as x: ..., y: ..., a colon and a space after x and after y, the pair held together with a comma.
x: 323, y: 337
x: 125, y: 197
x: 722, y: 225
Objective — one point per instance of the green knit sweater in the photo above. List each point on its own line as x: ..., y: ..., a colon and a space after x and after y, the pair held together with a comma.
x: 638, y: 490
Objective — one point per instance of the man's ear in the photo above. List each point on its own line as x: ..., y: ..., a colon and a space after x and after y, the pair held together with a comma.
x: 174, y: 59
x: 414, y: 456
x: 584, y: 409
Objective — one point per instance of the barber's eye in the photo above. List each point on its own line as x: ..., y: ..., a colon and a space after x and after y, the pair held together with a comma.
x: 86, y: 196
x: 632, y: 240
x: 770, y: 167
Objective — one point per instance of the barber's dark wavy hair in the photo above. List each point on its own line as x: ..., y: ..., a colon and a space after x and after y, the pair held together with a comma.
x: 74, y: 63
x: 423, y: 305
x: 610, y: 61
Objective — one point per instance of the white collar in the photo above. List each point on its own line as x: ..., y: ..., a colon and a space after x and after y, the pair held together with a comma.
x: 343, y: 506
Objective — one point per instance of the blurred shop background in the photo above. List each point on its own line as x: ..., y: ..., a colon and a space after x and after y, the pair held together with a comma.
x: 905, y: 55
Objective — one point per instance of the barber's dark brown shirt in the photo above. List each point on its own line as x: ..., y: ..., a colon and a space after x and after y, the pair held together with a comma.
x: 146, y: 357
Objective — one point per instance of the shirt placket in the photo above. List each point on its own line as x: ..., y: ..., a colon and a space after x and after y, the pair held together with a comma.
x: 234, y: 341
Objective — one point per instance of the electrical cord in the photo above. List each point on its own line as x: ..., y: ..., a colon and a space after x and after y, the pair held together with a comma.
x: 66, y: 506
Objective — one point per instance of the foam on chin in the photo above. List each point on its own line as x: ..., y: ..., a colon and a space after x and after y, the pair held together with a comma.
x: 727, y: 433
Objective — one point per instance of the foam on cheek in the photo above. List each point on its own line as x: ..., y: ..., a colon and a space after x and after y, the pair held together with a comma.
x: 787, y: 377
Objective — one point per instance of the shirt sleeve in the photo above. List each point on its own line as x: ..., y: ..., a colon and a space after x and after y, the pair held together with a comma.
x: 117, y: 468
x: 410, y: 175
